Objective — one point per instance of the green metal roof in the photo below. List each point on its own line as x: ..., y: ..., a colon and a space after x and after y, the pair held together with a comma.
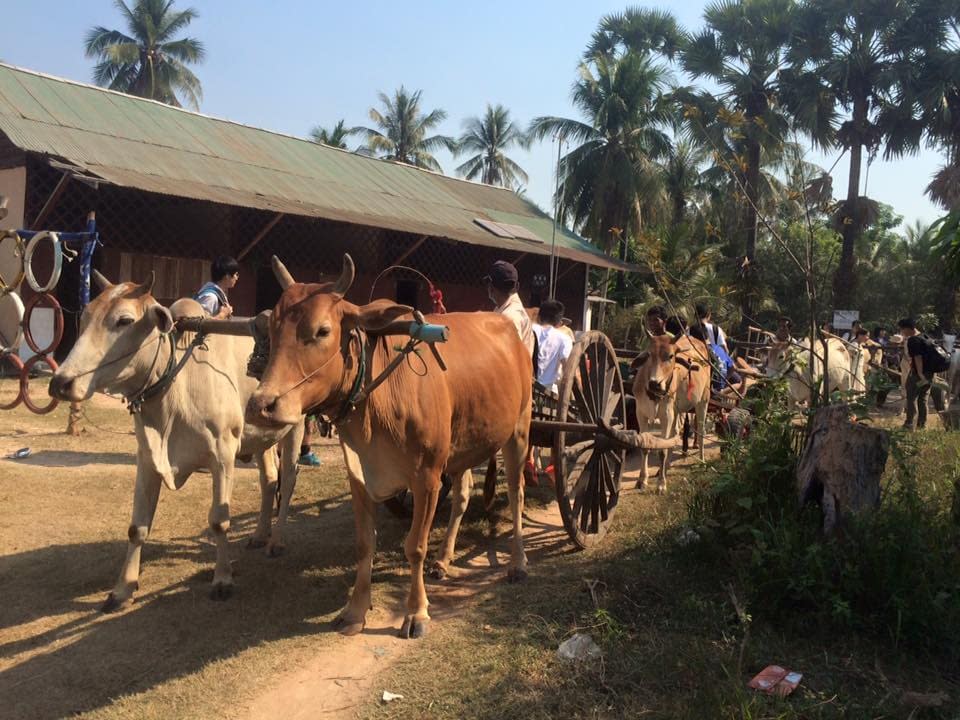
x: 144, y: 144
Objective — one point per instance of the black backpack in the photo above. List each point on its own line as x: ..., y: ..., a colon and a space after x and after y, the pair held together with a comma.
x: 935, y: 359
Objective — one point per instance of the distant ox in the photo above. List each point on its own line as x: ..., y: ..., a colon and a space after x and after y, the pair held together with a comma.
x: 804, y: 370
x: 673, y: 378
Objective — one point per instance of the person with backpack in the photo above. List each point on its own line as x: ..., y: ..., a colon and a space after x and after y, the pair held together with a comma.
x: 714, y: 332
x: 213, y: 295
x: 926, y: 359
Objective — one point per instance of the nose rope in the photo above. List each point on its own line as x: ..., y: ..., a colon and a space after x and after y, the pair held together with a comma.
x: 122, y: 357
x: 308, y: 376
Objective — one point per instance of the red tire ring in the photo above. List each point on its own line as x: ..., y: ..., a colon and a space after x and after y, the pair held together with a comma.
x: 25, y: 383
x: 18, y: 366
x: 57, y: 323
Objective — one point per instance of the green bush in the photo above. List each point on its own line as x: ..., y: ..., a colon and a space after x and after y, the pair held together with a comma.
x: 893, y: 572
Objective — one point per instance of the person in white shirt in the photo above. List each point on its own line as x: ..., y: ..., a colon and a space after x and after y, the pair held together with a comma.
x: 714, y: 333
x: 502, y: 286
x: 553, y: 345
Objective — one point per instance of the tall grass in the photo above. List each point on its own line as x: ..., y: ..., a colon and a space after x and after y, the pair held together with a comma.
x: 893, y: 572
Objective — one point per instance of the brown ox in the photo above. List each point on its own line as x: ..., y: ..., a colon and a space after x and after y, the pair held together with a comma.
x: 196, y: 421
x: 673, y: 378
x: 420, y: 422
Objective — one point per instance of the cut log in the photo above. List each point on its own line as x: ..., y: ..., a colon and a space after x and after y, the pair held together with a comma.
x: 841, y: 465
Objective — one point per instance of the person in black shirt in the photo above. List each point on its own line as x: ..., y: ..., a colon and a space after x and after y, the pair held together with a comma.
x: 919, y: 379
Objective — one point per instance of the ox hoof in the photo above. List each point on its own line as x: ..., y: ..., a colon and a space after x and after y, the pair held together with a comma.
x: 516, y: 575
x: 438, y: 571
x: 114, y: 604
x: 256, y: 543
x: 276, y: 551
x: 347, y: 627
x: 221, y: 591
x: 413, y: 627
x: 641, y: 484
x: 662, y: 489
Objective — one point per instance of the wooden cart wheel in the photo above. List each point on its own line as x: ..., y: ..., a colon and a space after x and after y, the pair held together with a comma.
x: 587, y: 466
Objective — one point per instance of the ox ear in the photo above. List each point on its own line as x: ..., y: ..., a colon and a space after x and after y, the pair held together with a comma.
x: 101, y: 281
x: 346, y: 276
x: 282, y: 274
x: 161, y: 317
x: 375, y: 316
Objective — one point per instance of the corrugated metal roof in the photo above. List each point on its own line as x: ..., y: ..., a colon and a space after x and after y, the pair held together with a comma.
x: 144, y: 144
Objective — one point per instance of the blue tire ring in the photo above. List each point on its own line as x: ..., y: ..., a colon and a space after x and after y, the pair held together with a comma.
x: 17, y: 363
x: 25, y: 385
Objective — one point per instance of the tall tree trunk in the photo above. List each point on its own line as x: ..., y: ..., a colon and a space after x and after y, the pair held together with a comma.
x: 844, y: 281
x: 751, y: 203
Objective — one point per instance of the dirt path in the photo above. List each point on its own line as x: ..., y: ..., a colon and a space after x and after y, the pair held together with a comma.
x: 346, y: 676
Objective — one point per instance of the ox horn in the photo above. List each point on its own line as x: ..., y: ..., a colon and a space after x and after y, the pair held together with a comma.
x: 145, y: 287
x: 101, y: 281
x: 282, y: 274
x: 346, y: 276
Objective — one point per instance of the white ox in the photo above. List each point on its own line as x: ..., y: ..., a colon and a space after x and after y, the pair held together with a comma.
x: 805, y: 370
x: 195, y: 422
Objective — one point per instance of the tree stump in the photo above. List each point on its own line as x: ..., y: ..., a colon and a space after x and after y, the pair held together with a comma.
x: 841, y: 465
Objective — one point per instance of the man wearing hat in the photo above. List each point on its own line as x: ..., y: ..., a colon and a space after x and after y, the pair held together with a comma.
x: 502, y: 289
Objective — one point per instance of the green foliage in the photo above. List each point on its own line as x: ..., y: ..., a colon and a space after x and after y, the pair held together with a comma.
x: 402, y: 131
x: 892, y: 572
x: 490, y: 137
x: 148, y: 61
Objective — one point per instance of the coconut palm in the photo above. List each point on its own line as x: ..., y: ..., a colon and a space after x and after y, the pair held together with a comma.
x: 610, y: 176
x: 335, y: 137
x: 490, y: 137
x: 402, y: 131
x: 148, y: 61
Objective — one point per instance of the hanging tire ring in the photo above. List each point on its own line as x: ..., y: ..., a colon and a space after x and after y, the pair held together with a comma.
x: 54, y: 305
x: 17, y: 363
x: 57, y: 261
x: 25, y: 385
x: 5, y: 285
x: 11, y: 328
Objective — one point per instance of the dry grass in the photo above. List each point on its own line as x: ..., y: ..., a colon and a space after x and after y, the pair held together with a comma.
x: 175, y: 653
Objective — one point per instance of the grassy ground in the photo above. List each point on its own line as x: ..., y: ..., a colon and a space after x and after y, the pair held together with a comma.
x: 673, y: 643
x: 673, y: 646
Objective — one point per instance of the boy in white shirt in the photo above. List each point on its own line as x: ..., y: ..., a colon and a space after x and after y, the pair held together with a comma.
x: 553, y: 345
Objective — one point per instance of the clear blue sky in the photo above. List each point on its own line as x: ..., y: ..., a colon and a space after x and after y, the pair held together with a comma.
x: 287, y: 65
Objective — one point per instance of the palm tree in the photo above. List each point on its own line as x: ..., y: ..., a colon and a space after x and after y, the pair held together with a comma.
x: 148, y: 61
x: 637, y: 29
x: 608, y: 179
x: 742, y: 51
x: 846, y: 54
x: 336, y: 137
x: 490, y: 137
x: 402, y: 131
x: 682, y: 177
